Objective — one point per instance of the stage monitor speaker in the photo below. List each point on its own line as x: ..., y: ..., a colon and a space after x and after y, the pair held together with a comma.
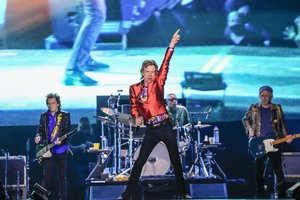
x: 39, y: 193
x: 106, y: 192
x: 294, y: 191
x: 290, y: 166
x: 208, y: 190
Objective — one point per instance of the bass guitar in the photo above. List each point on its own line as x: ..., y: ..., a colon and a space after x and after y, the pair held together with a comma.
x: 44, y: 151
x: 259, y: 146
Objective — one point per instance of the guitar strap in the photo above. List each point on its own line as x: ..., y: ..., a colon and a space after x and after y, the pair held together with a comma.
x: 56, y: 127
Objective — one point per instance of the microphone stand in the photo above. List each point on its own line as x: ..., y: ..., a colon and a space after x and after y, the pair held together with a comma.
x: 5, y: 173
x: 117, y: 138
x: 18, y: 185
x: 27, y: 167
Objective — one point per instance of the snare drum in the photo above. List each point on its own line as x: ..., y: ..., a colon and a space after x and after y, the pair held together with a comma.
x: 158, y: 162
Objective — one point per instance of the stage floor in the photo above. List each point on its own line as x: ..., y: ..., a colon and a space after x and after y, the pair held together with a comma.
x: 164, y: 187
x: 28, y: 75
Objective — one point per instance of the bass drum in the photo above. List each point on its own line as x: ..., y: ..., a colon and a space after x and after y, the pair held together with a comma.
x: 158, y: 162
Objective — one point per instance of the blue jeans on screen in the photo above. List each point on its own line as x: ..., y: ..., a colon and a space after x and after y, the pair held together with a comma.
x: 95, y: 16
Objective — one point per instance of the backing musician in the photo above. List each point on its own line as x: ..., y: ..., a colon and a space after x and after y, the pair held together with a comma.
x: 266, y: 120
x: 53, y: 124
x: 179, y: 117
x: 178, y: 114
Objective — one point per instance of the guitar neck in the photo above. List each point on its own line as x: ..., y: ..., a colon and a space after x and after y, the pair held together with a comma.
x: 59, y: 139
x: 281, y: 140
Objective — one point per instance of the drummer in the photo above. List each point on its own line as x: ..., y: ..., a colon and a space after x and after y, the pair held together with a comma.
x: 179, y: 117
x: 178, y: 114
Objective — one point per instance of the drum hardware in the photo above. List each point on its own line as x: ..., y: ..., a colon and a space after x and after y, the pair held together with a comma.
x: 130, y: 148
x: 103, y: 139
x: 130, y: 152
x: 119, y: 120
x: 113, y: 111
x: 197, y: 150
x: 198, y: 162
x: 209, y: 152
x: 158, y: 162
x: 209, y: 163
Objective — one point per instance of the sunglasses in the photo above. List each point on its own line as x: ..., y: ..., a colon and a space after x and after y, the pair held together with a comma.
x: 173, y: 99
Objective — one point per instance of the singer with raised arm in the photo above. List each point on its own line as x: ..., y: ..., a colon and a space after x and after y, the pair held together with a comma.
x: 54, y: 123
x: 148, y: 108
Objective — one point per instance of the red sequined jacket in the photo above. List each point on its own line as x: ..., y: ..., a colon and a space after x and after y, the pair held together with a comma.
x: 155, y: 104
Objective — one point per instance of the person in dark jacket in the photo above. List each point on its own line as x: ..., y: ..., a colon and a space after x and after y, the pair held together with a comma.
x: 54, y: 123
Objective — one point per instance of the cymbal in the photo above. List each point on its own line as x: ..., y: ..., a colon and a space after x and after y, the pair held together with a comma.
x: 106, y: 120
x: 108, y: 111
x: 197, y: 113
x: 126, y: 119
x: 197, y: 125
x: 202, y: 125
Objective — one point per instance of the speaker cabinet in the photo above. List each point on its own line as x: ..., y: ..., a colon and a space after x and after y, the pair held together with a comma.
x: 208, y: 190
x: 290, y: 166
x: 106, y: 192
x: 16, y: 176
x: 16, y: 170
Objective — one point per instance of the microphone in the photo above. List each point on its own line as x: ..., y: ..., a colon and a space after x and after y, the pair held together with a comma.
x: 208, y: 113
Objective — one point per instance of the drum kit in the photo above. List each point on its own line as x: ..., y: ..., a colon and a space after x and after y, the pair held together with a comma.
x: 128, y: 135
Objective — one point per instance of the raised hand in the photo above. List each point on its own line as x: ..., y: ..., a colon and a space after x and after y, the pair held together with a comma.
x: 175, y: 39
x: 289, y: 33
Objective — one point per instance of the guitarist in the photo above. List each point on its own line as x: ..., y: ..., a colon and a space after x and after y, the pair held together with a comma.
x: 266, y: 120
x: 53, y: 124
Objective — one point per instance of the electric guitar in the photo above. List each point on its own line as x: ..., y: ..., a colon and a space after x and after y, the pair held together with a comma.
x: 259, y: 146
x: 44, y: 151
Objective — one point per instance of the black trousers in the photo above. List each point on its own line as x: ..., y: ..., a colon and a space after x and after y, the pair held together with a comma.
x: 58, y: 161
x: 276, y: 163
x: 152, y: 137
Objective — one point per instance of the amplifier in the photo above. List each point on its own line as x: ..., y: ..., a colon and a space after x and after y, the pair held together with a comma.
x: 17, y: 193
x: 16, y: 170
x: 290, y: 165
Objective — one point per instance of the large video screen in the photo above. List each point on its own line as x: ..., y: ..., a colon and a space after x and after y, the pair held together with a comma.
x: 227, y: 50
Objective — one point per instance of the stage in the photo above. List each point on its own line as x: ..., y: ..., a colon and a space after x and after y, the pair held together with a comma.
x: 164, y: 187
